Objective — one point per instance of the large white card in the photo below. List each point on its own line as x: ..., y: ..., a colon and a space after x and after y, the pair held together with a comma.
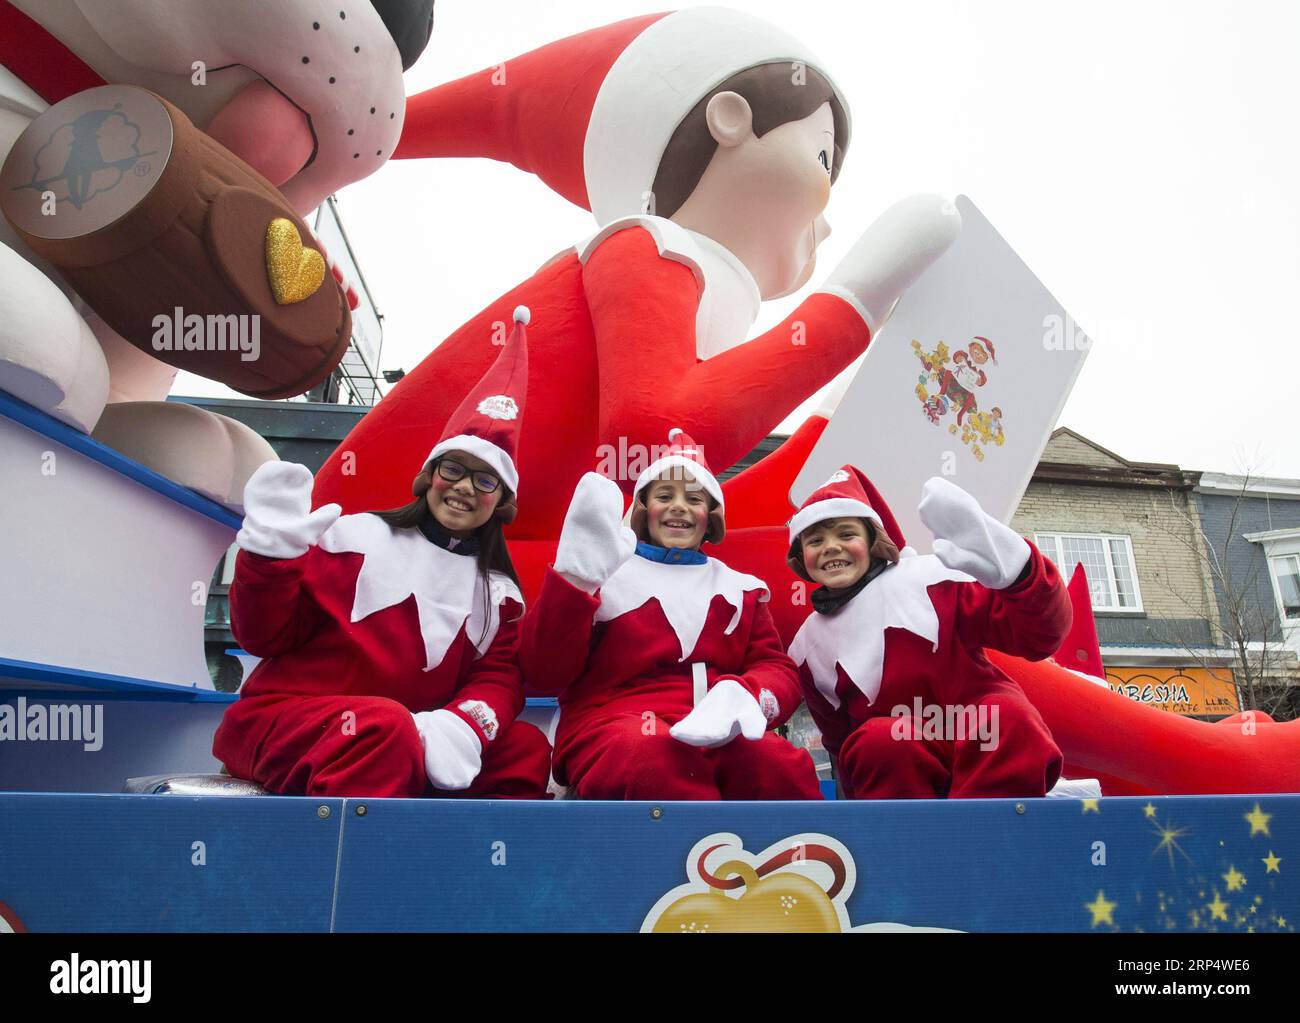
x: 965, y: 380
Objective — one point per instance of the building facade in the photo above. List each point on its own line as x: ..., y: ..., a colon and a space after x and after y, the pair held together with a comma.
x: 1252, y: 531
x: 1151, y: 542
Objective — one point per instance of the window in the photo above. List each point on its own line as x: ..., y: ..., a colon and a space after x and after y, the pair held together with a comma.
x: 1286, y: 570
x: 1107, y: 561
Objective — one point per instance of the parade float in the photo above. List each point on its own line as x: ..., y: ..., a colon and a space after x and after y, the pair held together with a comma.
x: 161, y: 163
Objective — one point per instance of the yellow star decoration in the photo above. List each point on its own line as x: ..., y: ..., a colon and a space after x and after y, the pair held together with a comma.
x: 1234, y: 879
x: 1149, y: 809
x: 1218, y: 909
x: 1270, y: 863
x: 1281, y: 920
x: 1102, y: 910
x: 1258, y: 821
x: 1169, y: 836
x: 1091, y: 805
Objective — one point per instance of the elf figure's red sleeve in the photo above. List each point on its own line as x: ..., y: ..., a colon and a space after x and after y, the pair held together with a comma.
x: 494, y: 679
x: 643, y: 308
x: 1029, y: 619
x: 556, y: 635
x: 832, y: 723
x: 768, y: 667
x: 270, y: 610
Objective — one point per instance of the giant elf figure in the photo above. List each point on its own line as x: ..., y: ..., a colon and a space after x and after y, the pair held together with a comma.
x: 705, y: 143
x: 734, y: 133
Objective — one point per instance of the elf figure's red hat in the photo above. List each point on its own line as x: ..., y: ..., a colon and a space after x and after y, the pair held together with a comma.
x: 592, y: 114
x: 848, y: 494
x: 684, y: 459
x: 486, y: 424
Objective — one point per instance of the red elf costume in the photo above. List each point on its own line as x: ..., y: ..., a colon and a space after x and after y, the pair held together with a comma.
x: 389, y: 653
x: 667, y: 664
x: 912, y: 630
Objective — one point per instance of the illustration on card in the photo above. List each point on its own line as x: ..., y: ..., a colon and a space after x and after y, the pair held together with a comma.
x: 799, y: 885
x: 949, y: 387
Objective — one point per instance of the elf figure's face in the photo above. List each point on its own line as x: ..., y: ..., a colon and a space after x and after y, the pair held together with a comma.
x: 677, y: 511
x: 762, y: 198
x: 836, y: 552
x: 457, y: 498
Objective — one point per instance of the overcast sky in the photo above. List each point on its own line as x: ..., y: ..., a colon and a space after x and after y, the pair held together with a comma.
x: 1142, y: 158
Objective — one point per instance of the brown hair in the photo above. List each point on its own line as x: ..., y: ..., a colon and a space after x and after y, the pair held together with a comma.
x: 493, y: 554
x: 775, y: 98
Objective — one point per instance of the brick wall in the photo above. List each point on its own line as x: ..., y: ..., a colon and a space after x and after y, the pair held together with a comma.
x: 1176, y: 596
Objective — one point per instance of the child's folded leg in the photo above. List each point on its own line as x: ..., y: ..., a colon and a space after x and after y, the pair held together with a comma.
x: 1020, y: 760
x: 324, y: 746
x: 631, y: 757
x: 769, y: 768
x: 516, y: 765
x: 885, y: 758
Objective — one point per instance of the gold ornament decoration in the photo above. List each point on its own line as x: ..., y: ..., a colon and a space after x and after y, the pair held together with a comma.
x: 295, y: 271
x: 785, y: 902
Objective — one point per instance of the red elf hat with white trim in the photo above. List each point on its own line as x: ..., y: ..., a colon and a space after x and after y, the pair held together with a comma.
x: 683, y: 460
x: 487, y: 423
x: 848, y: 494
x: 592, y: 114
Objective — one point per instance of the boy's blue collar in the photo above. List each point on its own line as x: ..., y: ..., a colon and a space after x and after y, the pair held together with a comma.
x: 671, y: 555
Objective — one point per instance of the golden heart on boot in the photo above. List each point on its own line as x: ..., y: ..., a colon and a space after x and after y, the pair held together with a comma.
x: 294, y: 270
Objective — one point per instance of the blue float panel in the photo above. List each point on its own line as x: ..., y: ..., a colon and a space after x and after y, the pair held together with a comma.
x: 973, y: 865
x: 1192, y: 863
x: 127, y: 863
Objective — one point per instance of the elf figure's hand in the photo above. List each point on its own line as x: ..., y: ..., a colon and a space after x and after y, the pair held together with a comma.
x: 892, y: 253
x: 726, y: 711
x: 968, y: 539
x: 452, y: 750
x: 278, y: 520
x: 594, y: 543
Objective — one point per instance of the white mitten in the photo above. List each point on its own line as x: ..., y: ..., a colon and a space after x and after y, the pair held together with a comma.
x: 594, y: 543
x: 968, y: 539
x: 278, y: 520
x: 452, y: 749
x: 892, y: 253
x: 726, y: 711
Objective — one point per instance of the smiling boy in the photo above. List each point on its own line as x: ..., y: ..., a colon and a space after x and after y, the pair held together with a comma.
x: 896, y: 642
x: 667, y: 664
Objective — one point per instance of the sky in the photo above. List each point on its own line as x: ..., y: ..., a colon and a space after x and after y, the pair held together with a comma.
x: 1142, y: 158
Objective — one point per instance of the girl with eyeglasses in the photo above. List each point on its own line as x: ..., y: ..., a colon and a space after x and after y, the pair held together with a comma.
x: 389, y: 639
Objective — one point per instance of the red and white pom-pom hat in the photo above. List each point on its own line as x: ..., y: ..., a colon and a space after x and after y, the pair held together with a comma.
x: 847, y: 494
x: 683, y: 459
x: 487, y: 423
x: 592, y: 114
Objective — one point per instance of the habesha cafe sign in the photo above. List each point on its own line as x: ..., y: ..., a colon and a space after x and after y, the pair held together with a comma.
x: 1199, y: 692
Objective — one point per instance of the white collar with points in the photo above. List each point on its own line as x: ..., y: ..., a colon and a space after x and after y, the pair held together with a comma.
x: 853, y: 638
x: 447, y: 587
x: 685, y: 592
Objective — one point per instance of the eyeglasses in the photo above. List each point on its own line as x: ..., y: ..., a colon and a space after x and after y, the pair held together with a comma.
x: 454, y: 472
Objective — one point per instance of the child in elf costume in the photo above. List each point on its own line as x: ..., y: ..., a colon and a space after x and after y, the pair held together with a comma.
x: 389, y: 639
x: 667, y: 664
x: 890, y: 629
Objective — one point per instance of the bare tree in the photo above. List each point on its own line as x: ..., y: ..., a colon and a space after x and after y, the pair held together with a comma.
x: 1262, y: 667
